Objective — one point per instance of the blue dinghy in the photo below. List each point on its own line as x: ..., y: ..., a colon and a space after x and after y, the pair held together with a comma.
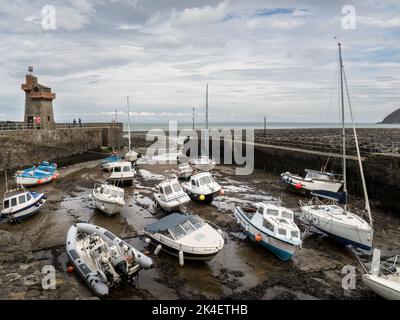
x: 37, y: 175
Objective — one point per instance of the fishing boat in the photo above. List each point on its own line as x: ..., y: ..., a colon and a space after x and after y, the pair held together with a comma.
x: 313, y: 181
x: 202, y: 186
x: 43, y: 173
x: 203, y: 163
x: 272, y: 226
x: 186, y: 236
x: 122, y: 173
x: 170, y: 196
x: 333, y: 218
x: 19, y: 204
x: 384, y: 278
x: 108, y: 198
x: 131, y: 155
x: 103, y: 260
x: 184, y: 171
x: 109, y: 162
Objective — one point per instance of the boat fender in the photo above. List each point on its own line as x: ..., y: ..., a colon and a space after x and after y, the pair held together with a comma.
x: 202, y: 197
x: 144, y: 261
x: 158, y: 249
x: 147, y: 240
x: 258, y: 237
x: 315, y: 220
x: 70, y: 269
x: 181, y: 258
x: 222, y: 192
x: 98, y: 286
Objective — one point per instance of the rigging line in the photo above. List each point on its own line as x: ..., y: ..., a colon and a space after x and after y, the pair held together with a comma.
x: 367, y: 206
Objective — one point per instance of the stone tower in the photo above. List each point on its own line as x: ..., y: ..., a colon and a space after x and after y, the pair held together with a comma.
x: 38, y: 104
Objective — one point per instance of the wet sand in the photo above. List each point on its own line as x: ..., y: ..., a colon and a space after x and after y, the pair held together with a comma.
x: 243, y: 270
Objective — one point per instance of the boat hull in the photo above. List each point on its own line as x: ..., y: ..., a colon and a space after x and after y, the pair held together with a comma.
x: 208, y: 198
x: 123, y: 181
x: 175, y: 252
x: 292, y: 182
x: 283, y: 250
x: 33, y: 181
x: 107, y: 207
x: 174, y: 205
x: 347, y: 235
x: 383, y: 287
x: 27, y: 212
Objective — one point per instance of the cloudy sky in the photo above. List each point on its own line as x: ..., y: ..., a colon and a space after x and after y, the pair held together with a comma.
x: 274, y: 58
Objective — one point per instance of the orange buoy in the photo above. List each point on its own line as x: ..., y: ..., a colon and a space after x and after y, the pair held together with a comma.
x: 40, y: 181
x: 70, y: 269
x: 298, y: 186
x: 222, y: 192
x: 258, y: 237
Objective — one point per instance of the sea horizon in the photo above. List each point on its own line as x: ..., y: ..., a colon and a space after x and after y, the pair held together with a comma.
x: 145, y: 126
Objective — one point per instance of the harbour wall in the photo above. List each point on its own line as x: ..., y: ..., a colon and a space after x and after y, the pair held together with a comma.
x: 20, y: 148
x: 281, y: 150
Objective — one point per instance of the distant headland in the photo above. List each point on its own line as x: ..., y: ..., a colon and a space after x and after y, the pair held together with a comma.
x: 393, y: 118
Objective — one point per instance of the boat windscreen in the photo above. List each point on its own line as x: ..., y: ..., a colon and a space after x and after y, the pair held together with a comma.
x: 176, y: 187
x: 204, y: 180
x: 177, y: 232
x: 168, y: 190
x: 189, y: 228
x: 287, y: 215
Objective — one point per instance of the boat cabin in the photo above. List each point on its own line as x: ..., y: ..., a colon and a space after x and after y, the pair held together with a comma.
x: 278, y: 220
x: 122, y: 167
x: 170, y: 189
x: 202, y: 179
x: 110, y: 191
x: 16, y: 200
x: 320, y: 175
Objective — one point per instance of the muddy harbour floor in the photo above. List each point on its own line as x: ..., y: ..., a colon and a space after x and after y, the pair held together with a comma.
x: 242, y: 270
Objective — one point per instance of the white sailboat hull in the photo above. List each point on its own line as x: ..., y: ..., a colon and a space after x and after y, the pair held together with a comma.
x: 387, y: 289
x: 358, y: 236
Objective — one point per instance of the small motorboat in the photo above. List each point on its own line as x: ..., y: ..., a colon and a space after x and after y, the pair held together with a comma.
x: 272, y: 226
x: 185, y: 171
x: 186, y: 236
x: 202, y: 186
x: 313, y: 181
x: 203, y: 163
x: 20, y: 204
x: 384, y: 278
x: 108, y: 163
x: 170, y: 195
x: 103, y: 260
x: 108, y: 198
x: 37, y: 175
x: 122, y: 173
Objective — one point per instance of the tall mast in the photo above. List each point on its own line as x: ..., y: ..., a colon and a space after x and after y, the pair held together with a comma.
x: 343, y: 126
x: 207, y: 106
x: 129, y: 125
x: 193, y: 120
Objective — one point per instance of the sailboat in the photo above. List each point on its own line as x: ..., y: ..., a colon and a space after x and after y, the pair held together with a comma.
x: 384, y: 278
x: 204, y: 163
x: 334, y: 218
x: 131, y: 156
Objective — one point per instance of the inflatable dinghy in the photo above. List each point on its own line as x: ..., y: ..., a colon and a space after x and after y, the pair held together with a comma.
x: 102, y: 259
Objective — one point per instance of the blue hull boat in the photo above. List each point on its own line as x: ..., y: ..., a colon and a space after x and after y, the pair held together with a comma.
x: 37, y: 175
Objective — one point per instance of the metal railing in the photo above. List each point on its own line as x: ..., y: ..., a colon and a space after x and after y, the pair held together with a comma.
x: 12, y: 126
